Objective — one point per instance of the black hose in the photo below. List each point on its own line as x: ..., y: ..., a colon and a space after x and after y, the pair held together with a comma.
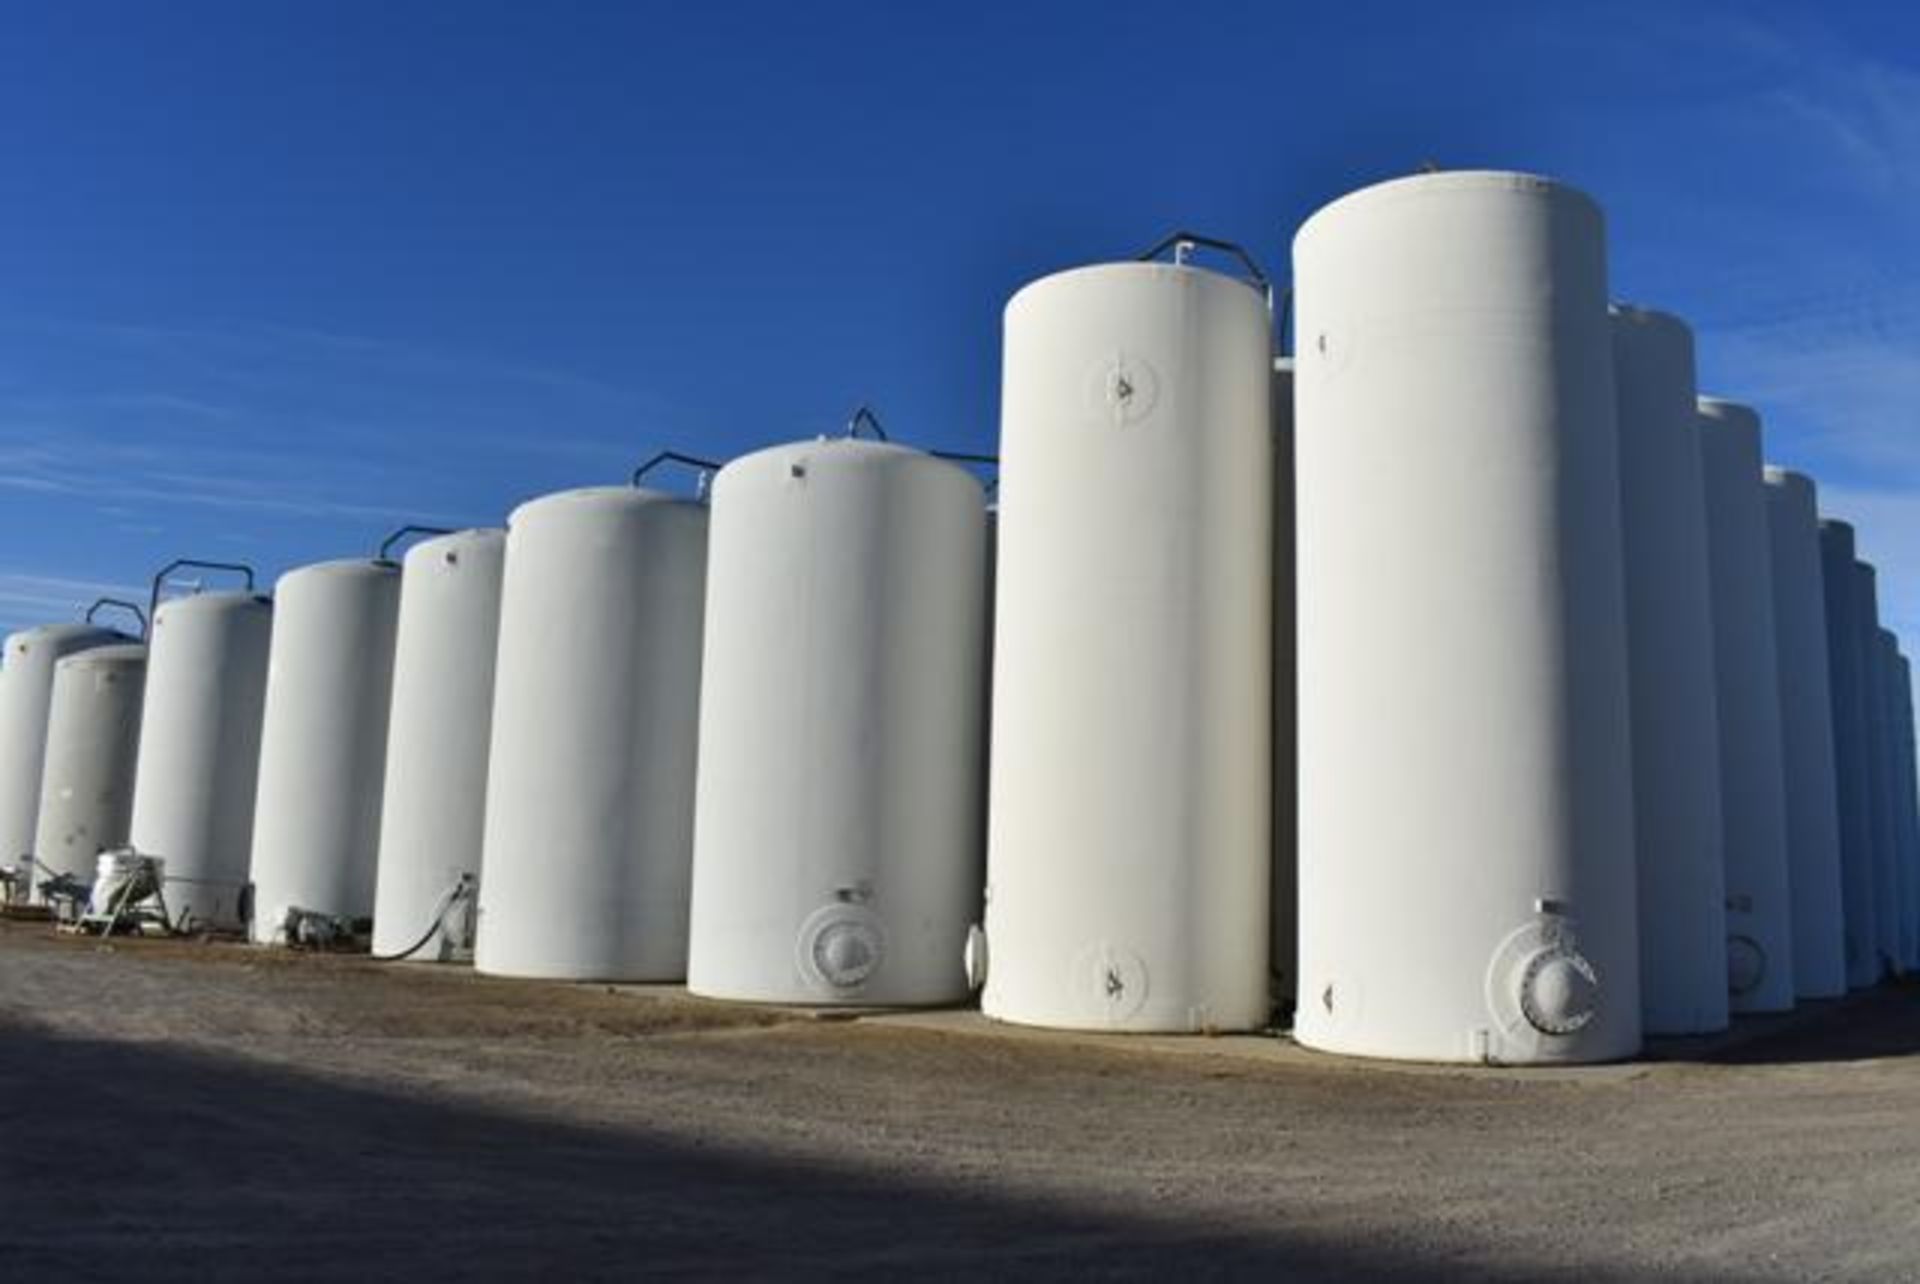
x: 454, y: 895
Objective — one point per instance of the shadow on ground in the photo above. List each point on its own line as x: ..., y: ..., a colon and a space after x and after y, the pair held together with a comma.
x: 139, y: 1161
x: 1863, y: 1026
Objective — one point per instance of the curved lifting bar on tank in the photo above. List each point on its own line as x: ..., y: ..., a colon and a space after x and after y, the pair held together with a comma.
x: 131, y: 608
x: 385, y: 553
x: 1183, y: 244
x: 706, y: 468
x: 864, y: 417
x: 179, y: 563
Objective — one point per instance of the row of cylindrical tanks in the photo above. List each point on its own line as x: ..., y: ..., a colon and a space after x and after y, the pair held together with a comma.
x: 1464, y: 680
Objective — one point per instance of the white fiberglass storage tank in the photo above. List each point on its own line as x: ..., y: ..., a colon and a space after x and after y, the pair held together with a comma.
x: 1753, y: 806
x: 1866, y: 604
x: 1130, y: 807
x: 1907, y: 809
x: 199, y: 766
x: 1806, y: 734
x: 837, y: 847
x: 26, y: 690
x: 93, y: 739
x: 1467, y: 883
x: 1846, y: 686
x: 590, y: 784
x: 433, y: 811
x: 323, y: 743
x: 1676, y: 753
x: 1890, y: 875
x: 1283, y: 958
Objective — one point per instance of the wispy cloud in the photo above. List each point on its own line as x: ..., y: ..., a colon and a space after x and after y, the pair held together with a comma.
x: 28, y: 599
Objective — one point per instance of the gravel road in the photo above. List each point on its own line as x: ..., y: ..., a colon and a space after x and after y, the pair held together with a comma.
x: 172, y: 1111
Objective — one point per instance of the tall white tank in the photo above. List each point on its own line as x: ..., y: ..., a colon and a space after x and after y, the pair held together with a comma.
x: 1893, y: 882
x: 323, y: 744
x: 1908, y: 810
x: 26, y: 691
x: 1467, y: 883
x: 1284, y: 927
x: 433, y: 815
x: 590, y: 788
x: 93, y: 739
x: 1806, y: 733
x: 1753, y: 808
x: 837, y: 847
x: 1879, y: 768
x: 1676, y: 750
x: 1847, y: 688
x: 199, y: 762
x: 1130, y: 809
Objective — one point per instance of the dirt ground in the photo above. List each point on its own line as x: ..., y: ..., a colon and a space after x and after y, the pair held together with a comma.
x: 189, y: 1112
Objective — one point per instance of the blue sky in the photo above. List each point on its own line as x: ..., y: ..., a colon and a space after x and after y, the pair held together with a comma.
x: 276, y: 277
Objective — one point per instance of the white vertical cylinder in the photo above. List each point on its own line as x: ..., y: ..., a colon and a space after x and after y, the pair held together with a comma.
x: 1846, y: 687
x: 193, y: 799
x: 93, y: 740
x: 1466, y: 820
x: 1676, y: 751
x: 1894, y: 882
x: 26, y: 691
x: 1753, y: 808
x: 837, y: 846
x: 1284, y: 931
x: 590, y: 784
x: 1908, y: 808
x: 438, y: 734
x: 323, y: 744
x: 1879, y: 768
x: 1806, y: 733
x: 1129, y: 843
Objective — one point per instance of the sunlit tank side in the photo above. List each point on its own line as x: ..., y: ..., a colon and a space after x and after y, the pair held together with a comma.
x: 1907, y: 796
x: 433, y: 816
x: 199, y: 767
x: 1806, y: 732
x: 1467, y: 882
x: 93, y: 740
x: 1753, y: 807
x: 1676, y: 751
x: 1847, y: 690
x: 838, y: 854
x: 1130, y: 812
x: 323, y: 743
x: 1879, y: 766
x: 1894, y: 882
x: 26, y: 691
x: 590, y: 784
